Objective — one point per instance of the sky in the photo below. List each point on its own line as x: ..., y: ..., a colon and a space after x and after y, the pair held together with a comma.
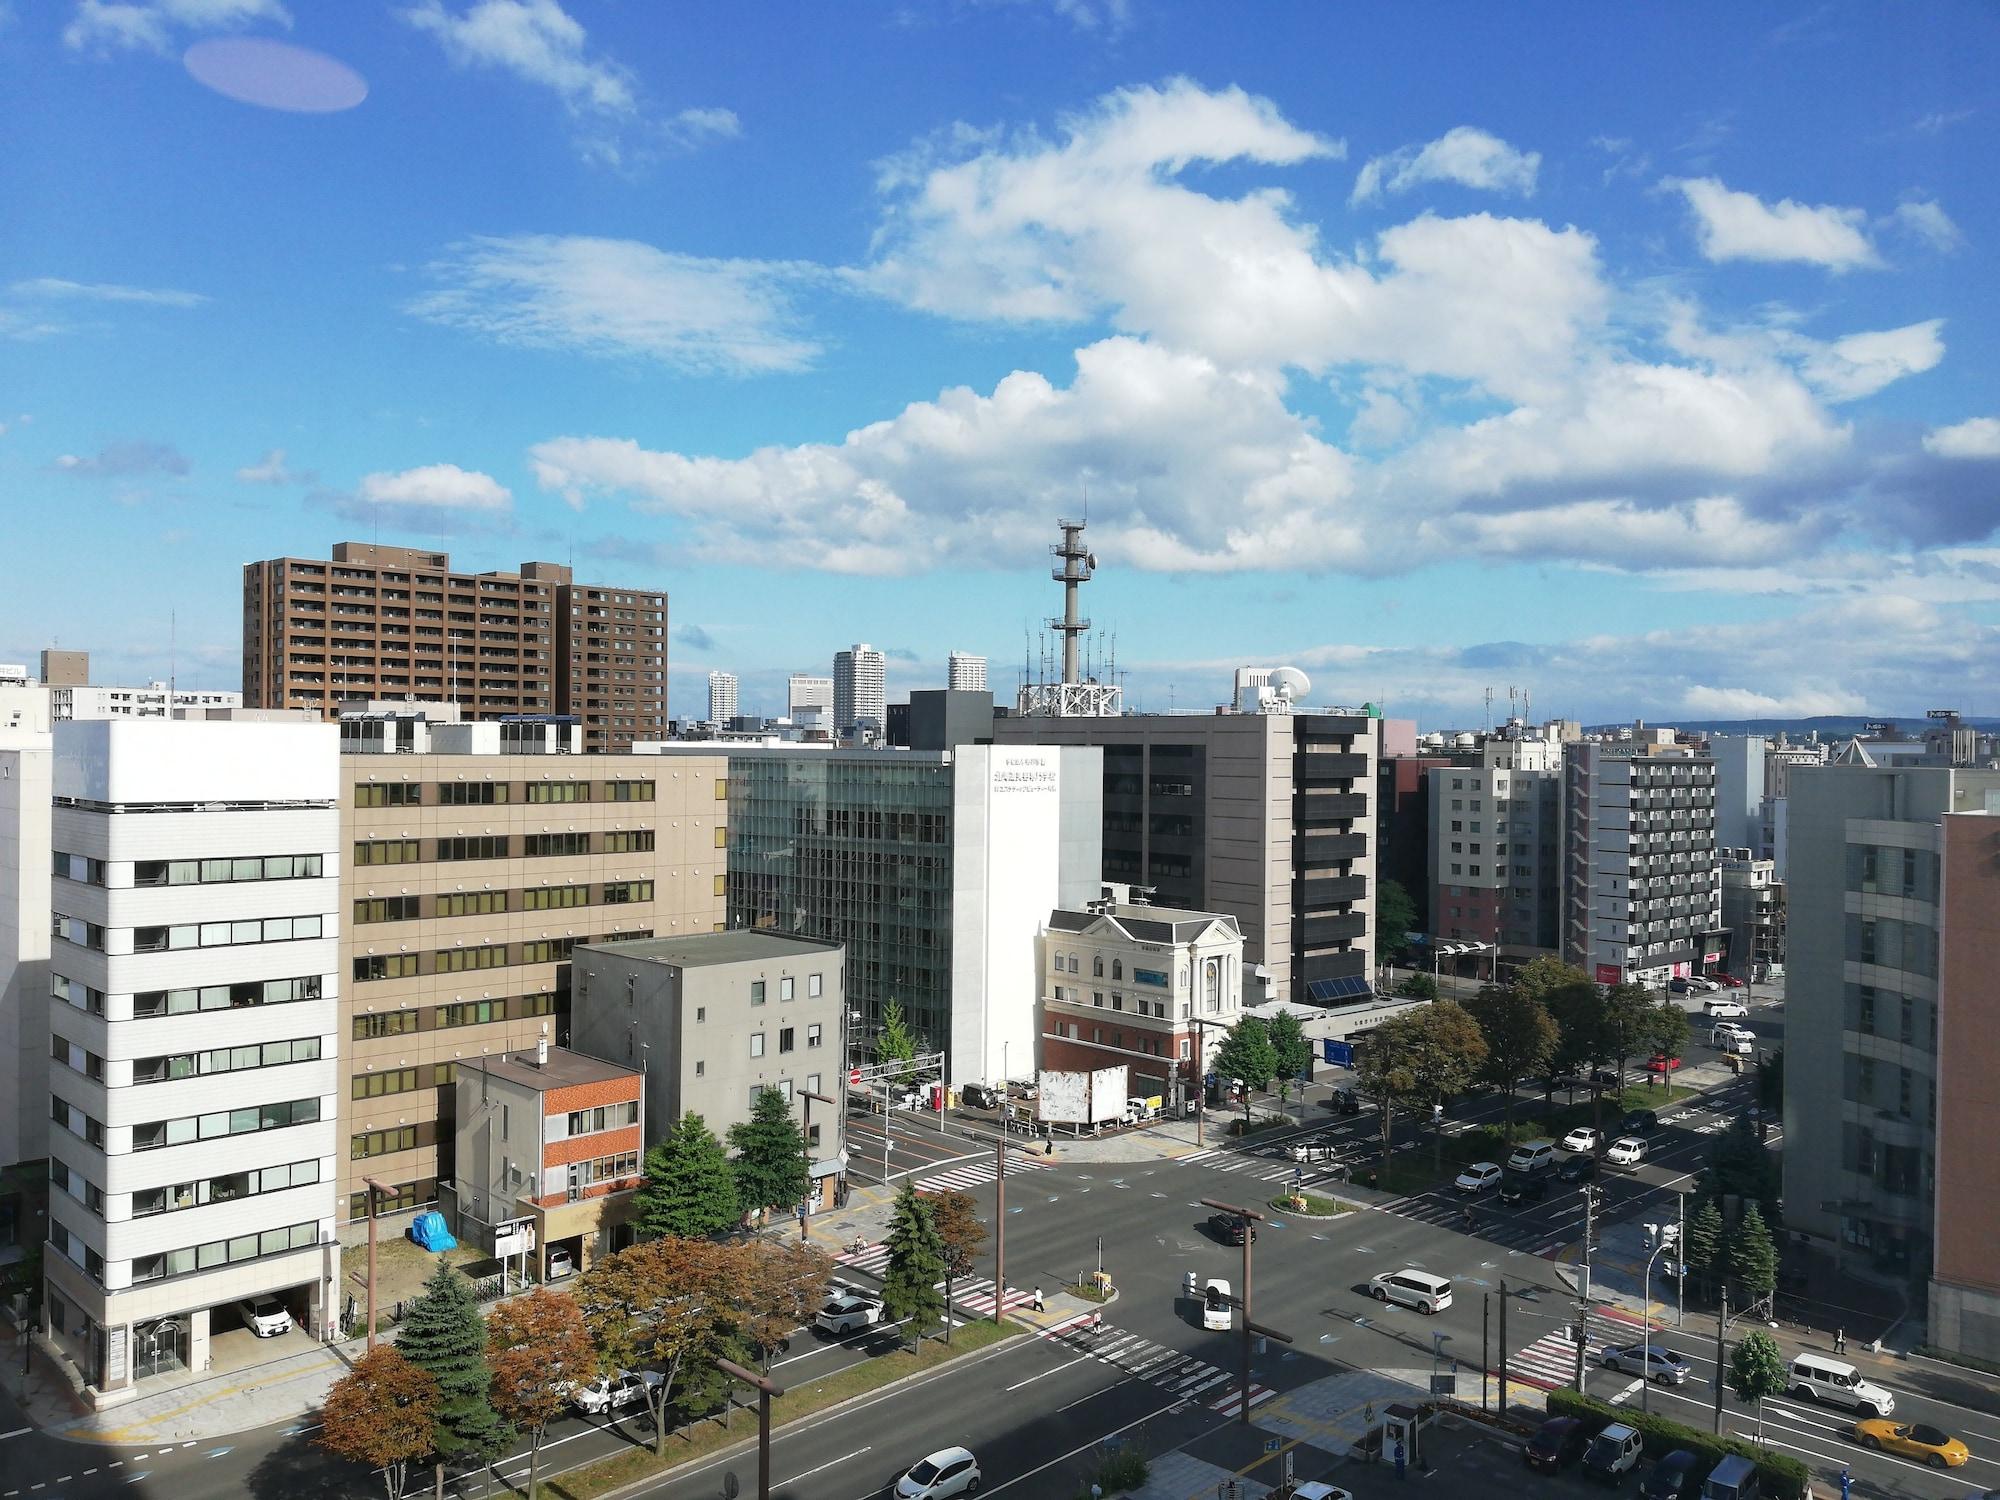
x: 1642, y: 361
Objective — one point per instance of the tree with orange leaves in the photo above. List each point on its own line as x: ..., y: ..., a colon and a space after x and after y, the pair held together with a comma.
x: 540, y: 1352
x: 382, y: 1413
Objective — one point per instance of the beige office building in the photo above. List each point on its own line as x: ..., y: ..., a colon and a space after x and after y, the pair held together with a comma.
x: 397, y: 622
x: 467, y: 879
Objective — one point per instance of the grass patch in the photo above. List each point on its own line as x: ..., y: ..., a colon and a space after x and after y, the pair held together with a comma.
x: 1259, y: 1125
x: 1310, y: 1206
x: 1089, y: 1290
x: 709, y: 1437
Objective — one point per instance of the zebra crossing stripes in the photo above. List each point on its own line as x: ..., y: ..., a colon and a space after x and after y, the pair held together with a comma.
x: 874, y: 1259
x: 972, y: 1174
x: 973, y: 1294
x: 1547, y: 1364
x: 1179, y: 1375
x: 1263, y: 1168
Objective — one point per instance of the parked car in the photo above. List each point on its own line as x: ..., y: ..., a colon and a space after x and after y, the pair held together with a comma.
x: 1532, y: 1156
x: 1230, y: 1228
x: 608, y: 1393
x: 1639, y: 1122
x: 1816, y: 1378
x: 981, y: 1096
x: 1724, y: 1009
x: 1583, y: 1138
x: 1314, y: 1489
x: 1216, y: 1308
x: 848, y: 1311
x: 1733, y: 1478
x: 1660, y: 1063
x: 1605, y: 1078
x: 1654, y: 1362
x: 1557, y: 1443
x: 1626, y: 1151
x: 1478, y: 1177
x: 1614, y: 1452
x: 1929, y: 1445
x: 265, y: 1316
x: 1677, y: 1476
x: 1524, y: 1187
x: 1727, y: 981
x: 1577, y: 1169
x: 1680, y: 987
x: 1412, y: 1288
x: 561, y: 1264
x: 1742, y: 1043
x: 949, y: 1471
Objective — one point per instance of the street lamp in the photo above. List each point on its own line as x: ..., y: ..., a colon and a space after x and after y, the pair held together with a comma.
x: 765, y: 1391
x: 807, y: 1097
x: 1661, y: 1237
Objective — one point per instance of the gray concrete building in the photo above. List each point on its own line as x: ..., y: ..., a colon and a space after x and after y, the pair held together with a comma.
x: 715, y: 1018
x: 1268, y: 817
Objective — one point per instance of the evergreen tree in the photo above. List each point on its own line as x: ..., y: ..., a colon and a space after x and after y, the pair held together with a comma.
x: 443, y: 1335
x: 1753, y: 1258
x: 689, y: 1190
x: 770, y: 1163
x: 1246, y: 1053
x: 1291, y: 1052
x: 1417, y: 987
x: 1703, y: 1250
x: 910, y: 1291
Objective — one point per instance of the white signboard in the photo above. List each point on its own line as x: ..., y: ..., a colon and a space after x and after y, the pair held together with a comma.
x: 516, y: 1237
x: 1108, y: 1091
x: 1063, y: 1098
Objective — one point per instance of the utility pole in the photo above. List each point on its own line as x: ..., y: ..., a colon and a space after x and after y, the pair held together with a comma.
x: 765, y: 1391
x: 1503, y: 1346
x: 1721, y: 1322
x: 1589, y: 1233
x: 1250, y: 1219
x: 374, y: 1188
x: 999, y: 1229
x: 1680, y: 1266
x: 805, y: 1147
x: 1485, y: 1349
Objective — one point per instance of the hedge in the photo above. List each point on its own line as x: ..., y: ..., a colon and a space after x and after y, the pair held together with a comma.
x: 1784, y: 1477
x: 1953, y: 1357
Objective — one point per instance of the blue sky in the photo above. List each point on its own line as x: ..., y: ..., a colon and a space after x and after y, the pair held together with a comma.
x: 1640, y: 359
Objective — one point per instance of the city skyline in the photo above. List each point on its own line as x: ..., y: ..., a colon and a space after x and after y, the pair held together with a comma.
x: 1639, y: 362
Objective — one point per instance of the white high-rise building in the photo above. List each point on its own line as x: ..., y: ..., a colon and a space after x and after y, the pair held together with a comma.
x: 721, y: 697
x: 859, y: 689
x: 24, y: 965
x: 966, y: 673
x: 196, y: 918
x: 804, y: 693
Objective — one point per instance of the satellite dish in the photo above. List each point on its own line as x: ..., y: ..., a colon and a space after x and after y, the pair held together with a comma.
x: 1090, y: 559
x: 1289, y: 683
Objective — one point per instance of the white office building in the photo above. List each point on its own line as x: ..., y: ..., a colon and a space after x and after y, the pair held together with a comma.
x: 805, y: 693
x: 860, y: 695
x: 196, y: 907
x: 156, y: 700
x: 24, y: 976
x: 966, y: 673
x: 721, y: 697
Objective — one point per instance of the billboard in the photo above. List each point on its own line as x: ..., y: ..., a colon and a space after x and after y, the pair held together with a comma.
x: 1082, y: 1098
x: 1609, y: 974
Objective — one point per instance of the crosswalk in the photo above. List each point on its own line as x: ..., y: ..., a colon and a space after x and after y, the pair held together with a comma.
x: 1163, y: 1367
x: 1262, y: 1168
x: 968, y: 1175
x: 1549, y: 1363
x: 1532, y: 1230
x: 973, y: 1294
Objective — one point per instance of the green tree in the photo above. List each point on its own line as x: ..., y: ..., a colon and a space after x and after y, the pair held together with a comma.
x: 1428, y: 1052
x: 1628, y: 1023
x: 1417, y: 987
x: 1703, y: 1250
x: 443, y: 1335
x: 689, y: 1190
x: 1246, y: 1053
x: 1757, y: 1372
x: 1753, y: 1258
x: 1520, y: 1038
x: 1291, y: 1052
x: 1395, y: 915
x: 770, y: 1161
x: 1669, y: 1031
x: 897, y: 1043
x: 910, y: 1292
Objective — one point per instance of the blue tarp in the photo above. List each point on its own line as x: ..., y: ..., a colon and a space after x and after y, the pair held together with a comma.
x: 428, y: 1230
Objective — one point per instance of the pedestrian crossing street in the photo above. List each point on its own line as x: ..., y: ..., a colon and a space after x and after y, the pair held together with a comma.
x: 1167, y: 1369
x: 973, y: 1294
x: 1550, y: 1362
x: 968, y: 1175
x: 1262, y: 1168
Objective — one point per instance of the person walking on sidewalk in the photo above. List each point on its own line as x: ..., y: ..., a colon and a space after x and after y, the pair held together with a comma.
x: 1038, y: 1300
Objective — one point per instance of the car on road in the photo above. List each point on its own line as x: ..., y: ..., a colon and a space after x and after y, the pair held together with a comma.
x: 1524, y: 1187
x: 1318, y: 1148
x: 848, y: 1311
x: 1230, y: 1228
x: 1660, y: 1365
x: 1216, y: 1308
x: 1742, y: 1043
x: 1814, y: 1377
x: 1677, y: 1476
x: 1694, y: 985
x: 1577, y: 1169
x: 949, y: 1471
x: 1639, y: 1122
x: 1724, y: 1009
x: 1532, y: 1156
x: 981, y: 1096
x: 265, y: 1316
x: 1478, y: 1177
x: 1313, y: 1489
x: 1929, y: 1445
x: 615, y: 1392
x: 1660, y: 1063
x: 1583, y: 1138
x: 1605, y: 1078
x: 1626, y: 1151
x: 1557, y: 1443
x: 1412, y: 1288
x: 1727, y: 981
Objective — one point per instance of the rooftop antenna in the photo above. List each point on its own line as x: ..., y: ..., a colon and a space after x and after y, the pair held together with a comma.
x: 173, y: 657
x: 1489, y: 710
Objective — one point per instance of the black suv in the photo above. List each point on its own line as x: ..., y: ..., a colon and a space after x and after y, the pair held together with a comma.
x: 980, y: 1096
x: 1578, y: 1168
x: 1229, y: 1229
x: 1639, y: 1122
x: 1557, y: 1443
x: 1524, y: 1187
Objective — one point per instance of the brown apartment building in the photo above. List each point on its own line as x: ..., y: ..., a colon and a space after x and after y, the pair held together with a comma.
x: 397, y: 622
x: 467, y: 880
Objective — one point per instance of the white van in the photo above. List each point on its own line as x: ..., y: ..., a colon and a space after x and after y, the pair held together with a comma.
x: 1532, y: 1156
x: 1412, y: 1288
x: 1816, y: 1378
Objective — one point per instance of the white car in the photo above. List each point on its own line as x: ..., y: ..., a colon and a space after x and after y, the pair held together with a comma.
x: 609, y: 1393
x: 847, y: 1312
x: 265, y: 1316
x: 1626, y: 1151
x: 1724, y: 1009
x: 1312, y: 1489
x: 1478, y: 1177
x: 1737, y: 1040
x: 949, y: 1471
x: 1217, y: 1311
x: 1582, y: 1139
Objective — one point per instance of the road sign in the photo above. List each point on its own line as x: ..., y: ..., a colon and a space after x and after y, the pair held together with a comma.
x: 1340, y: 1054
x: 1272, y: 1445
x: 1444, y: 1385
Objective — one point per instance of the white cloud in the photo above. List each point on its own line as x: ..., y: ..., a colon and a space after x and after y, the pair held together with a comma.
x: 696, y: 127
x: 1861, y: 364
x: 1801, y: 701
x: 621, y: 298
x: 1464, y: 155
x: 1740, y: 226
x: 1927, y: 220
x: 129, y: 25
x: 55, y: 288
x: 441, y: 486
x: 536, y: 40
x: 1978, y: 437
x: 271, y: 470
x: 126, y: 460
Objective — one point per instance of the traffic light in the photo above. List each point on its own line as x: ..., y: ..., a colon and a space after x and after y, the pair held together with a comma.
x: 1437, y: 1114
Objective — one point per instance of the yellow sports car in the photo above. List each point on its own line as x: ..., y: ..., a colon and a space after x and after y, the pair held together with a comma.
x: 1932, y: 1445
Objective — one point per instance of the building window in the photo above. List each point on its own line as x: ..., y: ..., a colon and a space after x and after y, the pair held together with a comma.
x: 389, y: 1023
x: 558, y: 791
x: 225, y: 1252
x: 604, y: 1117
x: 547, y: 950
x: 76, y: 930
x: 382, y: 1142
x: 1908, y: 1028
x: 756, y: 992
x: 632, y: 791
x: 555, y: 897
x: 458, y: 960
x: 151, y: 1003
x: 722, y: 838
x: 626, y: 841
x: 814, y: 1034
x: 402, y: 1196
x: 813, y: 986
x: 176, y: 1065
x: 223, y: 934
x: 154, y: 872
x: 385, y: 966
x: 478, y: 846
x: 787, y: 1036
x: 224, y: 1122
x: 622, y: 892
x: 700, y: 1068
x: 386, y: 909
x: 785, y: 988
x: 471, y: 793
x: 756, y: 1044
x: 1097, y: 966
x: 469, y: 1013
x: 390, y: 1081
x: 390, y: 794
x: 386, y: 852
x: 1117, y: 968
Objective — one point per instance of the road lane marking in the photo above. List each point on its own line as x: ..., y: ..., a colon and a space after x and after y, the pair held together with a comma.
x: 827, y: 1465
x: 15, y: 1433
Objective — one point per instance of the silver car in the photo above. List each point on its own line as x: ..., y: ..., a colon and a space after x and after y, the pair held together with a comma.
x: 1660, y: 1365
